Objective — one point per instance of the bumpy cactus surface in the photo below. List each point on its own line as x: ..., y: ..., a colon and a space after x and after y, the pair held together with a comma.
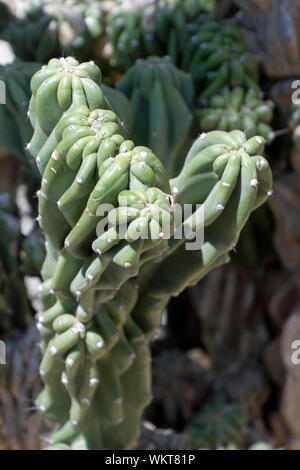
x: 213, y: 52
x: 104, y: 291
x: 152, y: 28
x: 161, y: 97
x: 217, y: 56
x: 237, y: 109
x: 50, y: 28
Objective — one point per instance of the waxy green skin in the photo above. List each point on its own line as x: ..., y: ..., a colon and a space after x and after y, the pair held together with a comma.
x: 237, y: 109
x: 103, y: 294
x: 161, y: 98
x: 213, y: 52
x: 92, y: 348
x: 153, y: 29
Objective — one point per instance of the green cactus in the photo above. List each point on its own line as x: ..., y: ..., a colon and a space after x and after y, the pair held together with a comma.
x: 51, y: 28
x: 152, y: 29
x: 217, y: 56
x: 213, y: 52
x: 15, y: 129
x: 121, y: 106
x: 104, y: 292
x: 161, y: 97
x: 237, y: 109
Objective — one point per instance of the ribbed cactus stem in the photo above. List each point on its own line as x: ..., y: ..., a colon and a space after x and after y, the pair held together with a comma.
x: 104, y: 291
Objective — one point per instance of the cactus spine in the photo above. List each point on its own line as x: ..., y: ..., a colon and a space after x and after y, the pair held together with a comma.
x: 103, y: 293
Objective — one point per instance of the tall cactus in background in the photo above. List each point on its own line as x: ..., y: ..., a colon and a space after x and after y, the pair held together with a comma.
x: 104, y: 292
x: 217, y: 56
x: 161, y: 97
x: 50, y: 28
x: 213, y: 52
x: 147, y: 28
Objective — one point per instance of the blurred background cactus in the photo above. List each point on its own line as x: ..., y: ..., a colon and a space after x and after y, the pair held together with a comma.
x: 171, y: 71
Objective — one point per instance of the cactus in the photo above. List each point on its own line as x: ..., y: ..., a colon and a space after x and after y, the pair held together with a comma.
x: 151, y: 28
x: 49, y: 29
x: 213, y: 52
x: 15, y: 129
x: 216, y: 56
x: 104, y: 292
x: 121, y: 106
x: 161, y: 97
x: 237, y: 109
